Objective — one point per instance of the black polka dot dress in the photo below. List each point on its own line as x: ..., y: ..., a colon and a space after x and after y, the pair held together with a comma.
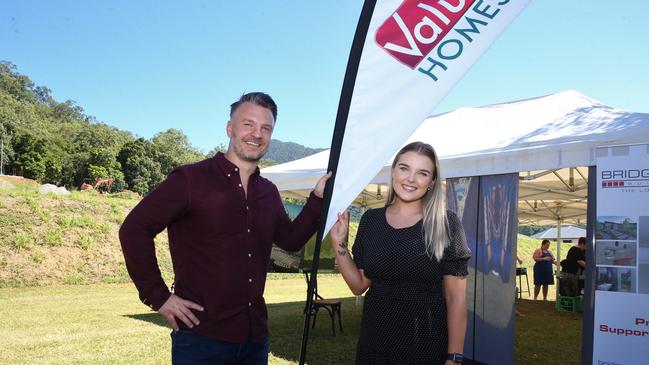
x: 404, y: 315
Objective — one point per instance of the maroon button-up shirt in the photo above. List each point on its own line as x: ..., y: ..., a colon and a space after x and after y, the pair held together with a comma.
x: 220, y: 244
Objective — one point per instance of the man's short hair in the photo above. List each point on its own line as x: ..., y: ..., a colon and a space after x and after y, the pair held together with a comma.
x: 258, y: 98
x: 545, y: 241
x: 581, y: 241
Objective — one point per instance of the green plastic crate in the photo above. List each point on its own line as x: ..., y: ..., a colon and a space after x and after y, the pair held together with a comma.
x: 568, y: 304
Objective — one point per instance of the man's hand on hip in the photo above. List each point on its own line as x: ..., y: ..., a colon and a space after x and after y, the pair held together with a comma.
x: 178, y: 308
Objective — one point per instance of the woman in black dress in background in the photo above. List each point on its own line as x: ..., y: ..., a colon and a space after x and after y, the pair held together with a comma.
x: 412, y: 256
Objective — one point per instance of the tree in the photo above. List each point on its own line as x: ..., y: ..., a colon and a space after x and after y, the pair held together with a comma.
x: 220, y: 148
x: 97, y: 172
x: 8, y: 118
x: 74, y: 169
x: 67, y: 111
x: 103, y: 157
x: 139, y: 163
x: 265, y: 162
x: 53, y: 166
x: 103, y: 164
x: 174, y: 149
x: 18, y: 86
x: 30, y: 152
x: 44, y: 95
x: 6, y: 149
x: 86, y: 144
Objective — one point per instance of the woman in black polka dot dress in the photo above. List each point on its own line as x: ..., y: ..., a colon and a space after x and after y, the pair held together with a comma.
x: 412, y: 256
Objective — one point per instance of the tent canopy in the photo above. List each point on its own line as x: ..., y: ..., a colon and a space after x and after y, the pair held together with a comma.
x: 567, y: 233
x: 543, y: 139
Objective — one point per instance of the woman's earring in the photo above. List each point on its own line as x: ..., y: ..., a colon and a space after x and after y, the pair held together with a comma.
x: 428, y: 188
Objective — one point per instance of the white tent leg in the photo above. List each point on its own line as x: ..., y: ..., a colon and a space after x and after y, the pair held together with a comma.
x: 556, y: 295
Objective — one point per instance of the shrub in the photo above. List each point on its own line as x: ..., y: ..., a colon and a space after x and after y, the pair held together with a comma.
x: 115, y: 279
x: 21, y: 241
x: 84, y: 241
x: 72, y: 279
x: 103, y: 229
x: 54, y: 237
x: 32, y: 204
x: 64, y: 221
x: 37, y: 256
x: 84, y: 221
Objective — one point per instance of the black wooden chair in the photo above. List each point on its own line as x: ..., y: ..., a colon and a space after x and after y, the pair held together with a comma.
x: 332, y: 306
x: 520, y: 271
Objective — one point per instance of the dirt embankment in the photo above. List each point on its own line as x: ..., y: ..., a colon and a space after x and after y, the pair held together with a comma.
x: 48, y: 239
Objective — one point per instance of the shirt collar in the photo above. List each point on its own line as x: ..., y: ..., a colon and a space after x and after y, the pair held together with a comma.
x: 228, y: 167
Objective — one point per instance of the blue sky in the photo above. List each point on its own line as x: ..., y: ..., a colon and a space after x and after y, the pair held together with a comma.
x: 146, y: 66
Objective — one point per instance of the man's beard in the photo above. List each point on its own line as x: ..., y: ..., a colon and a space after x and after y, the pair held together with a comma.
x: 248, y: 158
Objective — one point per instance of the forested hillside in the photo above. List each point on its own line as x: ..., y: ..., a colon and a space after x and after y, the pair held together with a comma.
x: 57, y: 142
x: 281, y: 152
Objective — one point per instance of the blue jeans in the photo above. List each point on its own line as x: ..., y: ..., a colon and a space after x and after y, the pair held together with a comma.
x: 189, y: 348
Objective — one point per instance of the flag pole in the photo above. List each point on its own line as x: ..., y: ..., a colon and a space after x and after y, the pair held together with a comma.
x: 334, y: 154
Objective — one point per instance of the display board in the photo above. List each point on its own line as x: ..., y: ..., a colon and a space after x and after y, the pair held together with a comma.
x: 487, y: 206
x: 621, y: 254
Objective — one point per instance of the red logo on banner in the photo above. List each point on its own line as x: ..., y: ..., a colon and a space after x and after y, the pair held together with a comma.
x: 417, y: 26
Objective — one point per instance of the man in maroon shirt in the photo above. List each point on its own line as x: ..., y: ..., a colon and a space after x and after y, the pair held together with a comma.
x: 222, y: 218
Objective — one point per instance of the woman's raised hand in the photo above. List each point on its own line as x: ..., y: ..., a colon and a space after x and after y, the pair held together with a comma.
x: 340, y: 230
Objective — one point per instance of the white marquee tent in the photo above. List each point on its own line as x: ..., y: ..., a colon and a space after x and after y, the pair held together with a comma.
x: 568, y: 234
x: 548, y: 140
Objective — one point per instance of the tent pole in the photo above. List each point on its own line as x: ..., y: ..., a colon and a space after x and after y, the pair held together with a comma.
x: 556, y: 295
x: 334, y: 155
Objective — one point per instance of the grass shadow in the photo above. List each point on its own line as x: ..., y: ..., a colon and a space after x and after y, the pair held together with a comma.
x: 286, y: 322
x: 543, y: 335
x: 151, y: 317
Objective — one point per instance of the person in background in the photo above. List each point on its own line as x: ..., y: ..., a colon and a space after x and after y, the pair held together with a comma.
x: 543, y: 271
x: 572, y: 268
x: 222, y: 218
x: 411, y: 257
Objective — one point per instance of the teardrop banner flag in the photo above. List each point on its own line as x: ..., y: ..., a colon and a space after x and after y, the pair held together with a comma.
x: 406, y: 56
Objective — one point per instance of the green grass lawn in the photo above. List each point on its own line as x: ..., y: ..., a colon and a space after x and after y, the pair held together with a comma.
x: 106, y: 324
x: 545, y: 336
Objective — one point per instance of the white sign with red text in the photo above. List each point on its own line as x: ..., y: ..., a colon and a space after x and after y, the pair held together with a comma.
x: 621, y: 328
x: 415, y: 51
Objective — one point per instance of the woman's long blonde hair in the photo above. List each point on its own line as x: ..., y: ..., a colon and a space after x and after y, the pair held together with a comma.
x: 435, y: 224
